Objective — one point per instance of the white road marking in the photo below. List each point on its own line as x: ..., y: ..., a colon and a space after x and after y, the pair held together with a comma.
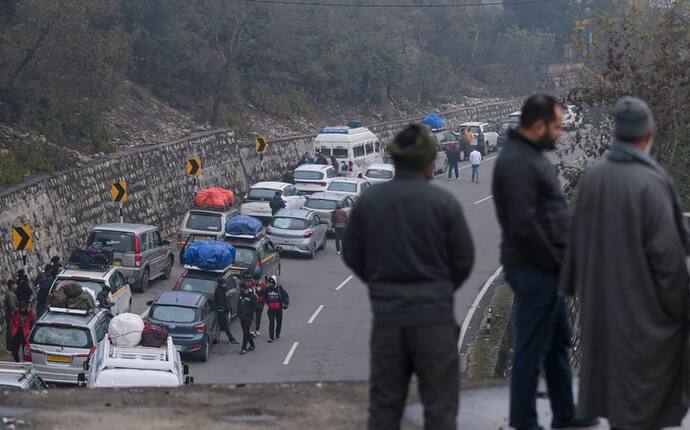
x: 475, y: 306
x: 344, y: 282
x: 315, y: 314
x: 484, y: 199
x: 289, y: 355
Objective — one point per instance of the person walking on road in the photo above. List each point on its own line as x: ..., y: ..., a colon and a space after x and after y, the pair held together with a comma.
x: 44, y: 290
x: 453, y: 154
x: 22, y: 321
x: 626, y: 262
x: 475, y: 161
x: 246, y: 311
x: 534, y: 218
x: 222, y: 309
x: 277, y: 203
x: 339, y: 221
x: 276, y: 299
x: 260, y: 287
x: 412, y: 257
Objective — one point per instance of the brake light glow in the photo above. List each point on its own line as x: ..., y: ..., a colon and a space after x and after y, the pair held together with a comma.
x: 196, y: 347
x: 201, y: 328
x: 137, y: 251
x: 308, y: 233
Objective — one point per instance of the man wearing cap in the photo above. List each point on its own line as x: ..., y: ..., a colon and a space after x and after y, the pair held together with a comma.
x: 409, y: 242
x: 626, y: 263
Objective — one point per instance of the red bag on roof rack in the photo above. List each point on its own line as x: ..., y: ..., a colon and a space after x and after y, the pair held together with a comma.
x: 214, y: 198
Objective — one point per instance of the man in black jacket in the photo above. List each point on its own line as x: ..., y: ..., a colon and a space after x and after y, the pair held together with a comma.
x: 534, y: 217
x: 44, y: 290
x: 220, y: 301
x: 246, y: 310
x: 412, y: 257
x: 277, y: 203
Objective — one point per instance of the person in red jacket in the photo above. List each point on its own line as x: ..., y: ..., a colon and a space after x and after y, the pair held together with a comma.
x: 21, y: 323
x: 259, y: 288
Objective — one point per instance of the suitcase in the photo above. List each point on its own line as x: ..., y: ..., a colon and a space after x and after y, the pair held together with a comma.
x: 153, y: 335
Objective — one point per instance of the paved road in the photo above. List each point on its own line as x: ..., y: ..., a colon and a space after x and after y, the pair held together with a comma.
x: 333, y: 343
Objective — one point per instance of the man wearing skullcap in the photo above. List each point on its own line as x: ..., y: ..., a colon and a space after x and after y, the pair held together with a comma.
x: 626, y: 261
x: 409, y: 242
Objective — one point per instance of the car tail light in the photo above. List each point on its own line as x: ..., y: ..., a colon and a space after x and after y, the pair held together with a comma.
x: 201, y: 328
x: 137, y: 251
x: 323, y: 184
x: 196, y: 347
x: 91, y: 351
x: 308, y: 233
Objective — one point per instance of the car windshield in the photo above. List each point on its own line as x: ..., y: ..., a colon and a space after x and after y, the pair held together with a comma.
x: 198, y: 285
x: 320, y: 204
x: 340, y: 152
x: 260, y: 194
x: 308, y: 175
x: 173, y: 314
x: 57, y: 335
x: 379, y: 174
x: 289, y: 223
x: 204, y: 221
x: 347, y: 187
x: 475, y: 129
x: 244, y: 257
x: 94, y: 286
x: 119, y: 241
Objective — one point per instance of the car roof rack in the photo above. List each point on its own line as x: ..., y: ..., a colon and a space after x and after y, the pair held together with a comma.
x: 256, y: 236
x: 69, y: 311
x: 223, y: 270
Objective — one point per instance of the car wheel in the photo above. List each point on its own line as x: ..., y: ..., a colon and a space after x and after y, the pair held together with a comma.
x: 168, y: 269
x: 206, y: 348
x: 144, y: 283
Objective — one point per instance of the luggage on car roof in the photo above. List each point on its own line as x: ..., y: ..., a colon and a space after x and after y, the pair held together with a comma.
x: 126, y: 329
x: 242, y: 225
x: 153, y: 335
x: 214, y: 198
x: 435, y: 121
x: 209, y: 254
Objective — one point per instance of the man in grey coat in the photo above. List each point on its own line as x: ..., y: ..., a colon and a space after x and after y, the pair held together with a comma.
x: 626, y: 262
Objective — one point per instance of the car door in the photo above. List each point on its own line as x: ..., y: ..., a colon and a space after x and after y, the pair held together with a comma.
x: 125, y: 293
x: 232, y: 293
x: 491, y: 134
x: 157, y: 251
x: 115, y: 294
x: 209, y: 317
x: 271, y: 258
x: 347, y: 205
x: 320, y: 228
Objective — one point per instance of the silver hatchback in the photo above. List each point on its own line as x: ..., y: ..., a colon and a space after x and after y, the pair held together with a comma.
x: 298, y: 230
x: 63, y: 339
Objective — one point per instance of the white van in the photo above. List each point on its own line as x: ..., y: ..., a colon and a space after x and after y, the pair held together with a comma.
x: 354, y: 148
x: 257, y: 201
x: 135, y: 366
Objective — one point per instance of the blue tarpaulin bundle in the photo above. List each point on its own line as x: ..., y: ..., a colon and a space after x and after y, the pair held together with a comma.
x: 209, y: 254
x: 242, y: 225
x: 435, y: 121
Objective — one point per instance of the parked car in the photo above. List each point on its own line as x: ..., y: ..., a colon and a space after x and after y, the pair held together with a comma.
x: 136, y: 366
x: 312, y: 178
x: 255, y: 255
x: 299, y: 230
x: 205, y: 224
x: 487, y: 130
x: 63, y: 339
x: 20, y: 376
x: 447, y: 137
x: 506, y: 125
x: 93, y: 279
x: 324, y: 204
x: 379, y: 173
x: 256, y: 202
x: 139, y: 252
x: 351, y: 187
x: 190, y: 319
x: 204, y: 281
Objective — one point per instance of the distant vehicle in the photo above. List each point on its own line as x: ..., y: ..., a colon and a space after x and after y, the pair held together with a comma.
x: 139, y: 251
x: 510, y: 123
x: 93, y: 279
x: 299, y: 230
x: 354, y: 148
x: 20, y: 376
x: 136, y: 366
x: 256, y: 202
x: 379, y: 173
x: 324, y: 204
x: 190, y: 319
x: 255, y: 255
x: 351, y: 187
x: 447, y: 137
x: 489, y: 130
x: 204, y: 281
x: 204, y: 224
x: 63, y: 339
x: 572, y: 118
x: 312, y: 178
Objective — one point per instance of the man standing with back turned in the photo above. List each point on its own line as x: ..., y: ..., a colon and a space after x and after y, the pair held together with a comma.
x: 534, y: 217
x: 409, y: 242
x: 626, y: 261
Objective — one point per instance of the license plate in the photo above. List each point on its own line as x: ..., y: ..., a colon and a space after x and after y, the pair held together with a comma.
x: 288, y: 248
x: 178, y: 347
x: 59, y: 359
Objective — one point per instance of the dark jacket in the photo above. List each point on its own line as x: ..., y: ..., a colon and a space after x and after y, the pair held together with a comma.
x: 276, y: 298
x: 103, y: 300
x: 246, y: 306
x: 43, y: 292
x: 277, y: 203
x: 531, y: 208
x: 220, y: 301
x: 24, y: 291
x: 453, y: 153
x: 408, y: 240
x: 339, y: 218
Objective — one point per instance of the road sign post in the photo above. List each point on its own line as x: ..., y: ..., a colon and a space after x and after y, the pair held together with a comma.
x: 22, y: 240
x: 118, y: 192
x: 194, y: 170
x: 261, y: 145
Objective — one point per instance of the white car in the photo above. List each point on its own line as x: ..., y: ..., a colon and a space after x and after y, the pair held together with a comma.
x: 488, y: 129
x: 135, y: 366
x: 92, y: 279
x: 379, y: 173
x: 256, y: 202
x: 351, y: 187
x: 313, y: 178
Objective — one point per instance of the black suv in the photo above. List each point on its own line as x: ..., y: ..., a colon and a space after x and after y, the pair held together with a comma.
x: 257, y: 255
x: 205, y: 281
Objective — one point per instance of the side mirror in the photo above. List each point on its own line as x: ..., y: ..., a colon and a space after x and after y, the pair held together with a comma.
x: 149, y: 303
x: 188, y: 380
x: 185, y: 369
